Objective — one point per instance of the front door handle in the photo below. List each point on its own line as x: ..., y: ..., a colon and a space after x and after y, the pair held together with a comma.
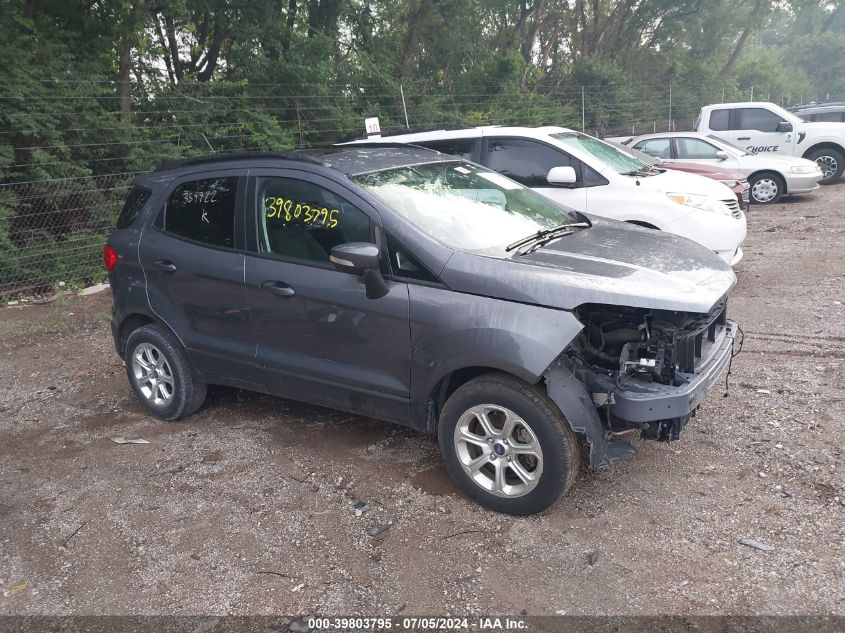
x: 743, y: 138
x: 165, y: 265
x: 278, y: 288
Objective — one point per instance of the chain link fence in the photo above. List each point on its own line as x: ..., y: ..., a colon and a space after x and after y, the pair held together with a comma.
x: 68, y: 157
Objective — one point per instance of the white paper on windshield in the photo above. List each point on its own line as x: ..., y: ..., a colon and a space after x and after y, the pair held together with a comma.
x: 498, y: 179
x: 461, y: 170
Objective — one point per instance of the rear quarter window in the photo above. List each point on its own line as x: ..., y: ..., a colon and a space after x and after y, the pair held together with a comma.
x: 135, y: 201
x: 720, y: 120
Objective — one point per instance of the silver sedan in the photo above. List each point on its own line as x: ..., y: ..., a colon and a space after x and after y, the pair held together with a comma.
x: 770, y: 176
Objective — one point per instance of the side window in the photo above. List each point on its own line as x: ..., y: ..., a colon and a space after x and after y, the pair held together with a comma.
x: 828, y: 116
x: 203, y: 211
x: 695, y: 148
x: 657, y: 147
x: 405, y: 265
x: 462, y: 147
x: 720, y: 120
x: 524, y: 160
x: 591, y: 177
x: 757, y: 119
x: 135, y: 201
x: 304, y: 221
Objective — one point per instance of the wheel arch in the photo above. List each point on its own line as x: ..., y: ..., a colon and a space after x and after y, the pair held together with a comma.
x: 771, y: 172
x: 132, y: 321
x: 824, y: 145
x: 447, y: 384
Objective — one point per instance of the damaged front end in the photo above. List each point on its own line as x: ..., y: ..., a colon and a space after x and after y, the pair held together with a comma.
x: 639, y: 370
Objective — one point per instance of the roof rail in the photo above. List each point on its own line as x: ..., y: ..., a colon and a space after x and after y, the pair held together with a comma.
x: 227, y: 156
x: 411, y: 130
x: 816, y: 104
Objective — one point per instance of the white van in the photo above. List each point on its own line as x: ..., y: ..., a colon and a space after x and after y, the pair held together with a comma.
x: 594, y: 177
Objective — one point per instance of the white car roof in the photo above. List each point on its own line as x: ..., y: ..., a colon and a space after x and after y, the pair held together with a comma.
x: 469, y: 132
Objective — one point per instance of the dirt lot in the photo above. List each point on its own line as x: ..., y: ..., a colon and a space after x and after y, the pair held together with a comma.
x: 248, y: 506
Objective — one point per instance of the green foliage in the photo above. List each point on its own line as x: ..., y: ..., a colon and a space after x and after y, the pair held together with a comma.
x: 93, y: 93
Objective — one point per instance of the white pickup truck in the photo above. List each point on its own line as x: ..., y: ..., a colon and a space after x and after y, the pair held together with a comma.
x: 759, y: 127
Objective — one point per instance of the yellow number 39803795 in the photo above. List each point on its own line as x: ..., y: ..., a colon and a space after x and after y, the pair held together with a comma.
x: 287, y: 210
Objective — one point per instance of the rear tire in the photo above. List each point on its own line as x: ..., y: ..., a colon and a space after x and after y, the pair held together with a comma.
x: 830, y: 161
x: 160, y: 374
x: 507, y: 445
x: 766, y: 187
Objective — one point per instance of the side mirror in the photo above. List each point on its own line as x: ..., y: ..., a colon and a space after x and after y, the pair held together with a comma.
x: 722, y: 154
x: 562, y: 176
x: 784, y: 126
x: 361, y: 258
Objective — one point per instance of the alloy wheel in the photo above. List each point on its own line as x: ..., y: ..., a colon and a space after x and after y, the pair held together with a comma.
x: 153, y: 374
x: 498, y: 450
x: 828, y: 164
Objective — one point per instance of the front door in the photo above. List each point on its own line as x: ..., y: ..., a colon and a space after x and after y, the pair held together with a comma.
x: 528, y: 161
x: 690, y: 149
x: 320, y: 339
x: 756, y: 131
x: 194, y: 272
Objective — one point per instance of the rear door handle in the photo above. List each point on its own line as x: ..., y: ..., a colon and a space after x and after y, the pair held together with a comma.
x: 743, y: 138
x: 278, y: 288
x: 166, y: 265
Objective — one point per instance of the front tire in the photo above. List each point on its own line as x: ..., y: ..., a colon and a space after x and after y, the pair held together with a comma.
x: 507, y: 445
x: 160, y: 374
x: 766, y: 187
x: 830, y: 161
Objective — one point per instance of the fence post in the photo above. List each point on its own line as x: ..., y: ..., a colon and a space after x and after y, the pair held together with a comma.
x: 752, y: 93
x: 583, y: 127
x: 404, y: 109
x: 670, y: 107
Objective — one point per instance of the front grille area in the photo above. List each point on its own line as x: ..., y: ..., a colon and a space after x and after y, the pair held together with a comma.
x: 746, y: 194
x: 733, y: 205
x: 691, y: 347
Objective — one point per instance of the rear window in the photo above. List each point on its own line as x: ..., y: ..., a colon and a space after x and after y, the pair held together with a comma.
x: 720, y: 120
x: 134, y: 203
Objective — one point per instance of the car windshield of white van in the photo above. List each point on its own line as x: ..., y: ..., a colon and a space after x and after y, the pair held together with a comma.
x: 464, y: 206
x: 617, y: 160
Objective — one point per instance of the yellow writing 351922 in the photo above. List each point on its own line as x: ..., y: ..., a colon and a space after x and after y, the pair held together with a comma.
x: 287, y: 209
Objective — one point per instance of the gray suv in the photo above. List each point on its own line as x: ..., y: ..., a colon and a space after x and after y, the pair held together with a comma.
x: 411, y: 286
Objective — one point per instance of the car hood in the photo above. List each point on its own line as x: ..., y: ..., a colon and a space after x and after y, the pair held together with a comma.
x: 610, y: 263
x: 770, y: 160
x: 674, y: 181
x: 708, y: 171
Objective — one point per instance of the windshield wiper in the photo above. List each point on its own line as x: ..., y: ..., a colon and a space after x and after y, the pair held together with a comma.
x: 540, y: 238
x: 641, y: 173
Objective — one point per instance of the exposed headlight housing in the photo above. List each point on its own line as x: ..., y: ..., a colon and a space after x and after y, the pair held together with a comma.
x: 805, y: 169
x: 696, y: 201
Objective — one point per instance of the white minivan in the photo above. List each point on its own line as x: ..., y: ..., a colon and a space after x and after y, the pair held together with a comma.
x: 594, y: 177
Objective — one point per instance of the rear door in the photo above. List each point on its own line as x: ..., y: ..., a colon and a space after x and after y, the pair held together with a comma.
x: 528, y: 161
x: 193, y: 260
x: 320, y: 339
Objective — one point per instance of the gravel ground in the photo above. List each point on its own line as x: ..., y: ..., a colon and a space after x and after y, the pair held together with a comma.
x: 248, y: 507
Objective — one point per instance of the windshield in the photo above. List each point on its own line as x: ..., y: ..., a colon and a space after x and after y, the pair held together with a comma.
x: 648, y: 159
x: 464, y: 206
x: 729, y: 147
x: 617, y: 160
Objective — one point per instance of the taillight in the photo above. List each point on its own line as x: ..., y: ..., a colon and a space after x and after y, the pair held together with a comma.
x: 109, y: 258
